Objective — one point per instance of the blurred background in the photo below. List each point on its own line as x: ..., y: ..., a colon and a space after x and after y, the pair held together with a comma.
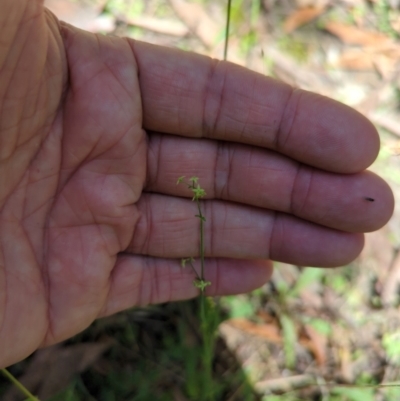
x: 309, y: 334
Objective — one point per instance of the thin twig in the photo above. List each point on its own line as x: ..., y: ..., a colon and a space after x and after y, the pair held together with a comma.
x: 228, y: 22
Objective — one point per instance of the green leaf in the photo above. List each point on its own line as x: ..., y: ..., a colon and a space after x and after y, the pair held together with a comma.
x: 391, y: 344
x: 308, y: 276
x: 239, y: 306
x: 354, y: 394
x: 289, y: 340
x: 391, y: 393
x: 322, y: 326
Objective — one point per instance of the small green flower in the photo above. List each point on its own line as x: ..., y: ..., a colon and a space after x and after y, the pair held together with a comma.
x: 201, y: 284
x: 198, y: 193
x: 180, y: 179
x: 186, y: 260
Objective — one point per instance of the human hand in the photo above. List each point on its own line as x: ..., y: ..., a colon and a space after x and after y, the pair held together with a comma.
x: 92, y: 221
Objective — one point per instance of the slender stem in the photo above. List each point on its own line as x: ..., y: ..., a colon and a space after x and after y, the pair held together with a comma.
x: 207, y: 326
x: 207, y: 356
x: 195, y: 271
x: 201, y: 217
x: 228, y: 22
x: 19, y: 385
x: 204, y: 318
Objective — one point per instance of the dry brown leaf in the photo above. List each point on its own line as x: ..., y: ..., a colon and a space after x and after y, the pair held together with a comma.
x: 384, y: 62
x: 395, y: 23
x: 355, y: 36
x: 266, y: 317
x: 378, y: 253
x: 389, y: 123
x: 342, y: 351
x: 310, y: 339
x: 356, y: 59
x: 346, y: 368
x: 270, y: 332
x: 285, y: 384
x: 197, y: 20
x: 315, y: 342
x: 53, y: 368
x: 386, y: 65
x: 391, y: 285
x: 178, y: 395
x: 301, y: 17
x: 82, y: 15
x: 163, y: 26
x: 312, y: 3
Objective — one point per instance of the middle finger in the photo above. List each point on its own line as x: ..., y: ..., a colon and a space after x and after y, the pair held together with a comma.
x: 253, y: 176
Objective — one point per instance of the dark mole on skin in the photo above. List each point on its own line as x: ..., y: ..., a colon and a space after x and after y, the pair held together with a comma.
x: 369, y: 199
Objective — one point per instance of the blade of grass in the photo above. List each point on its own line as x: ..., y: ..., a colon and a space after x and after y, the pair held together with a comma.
x: 228, y: 22
x: 19, y: 385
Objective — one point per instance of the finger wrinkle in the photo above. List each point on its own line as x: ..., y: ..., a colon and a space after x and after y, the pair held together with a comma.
x: 276, y: 230
x: 42, y: 205
x: 286, y: 123
x: 142, y: 229
x: 214, y: 97
x: 170, y: 278
x: 217, y: 276
x: 155, y: 279
x: 301, y: 187
x: 130, y: 94
x: 223, y: 170
x: 244, y: 122
x: 117, y: 98
x: 153, y: 159
x: 209, y: 210
x: 145, y: 271
x: 147, y: 215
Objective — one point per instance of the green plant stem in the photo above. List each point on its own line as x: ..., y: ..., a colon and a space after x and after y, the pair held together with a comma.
x: 207, y: 318
x: 207, y: 330
x: 228, y: 22
x: 201, y: 217
x: 19, y: 385
x: 204, y: 316
x: 207, y: 333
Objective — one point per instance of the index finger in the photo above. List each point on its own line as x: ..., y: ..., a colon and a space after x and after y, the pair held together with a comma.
x: 194, y: 96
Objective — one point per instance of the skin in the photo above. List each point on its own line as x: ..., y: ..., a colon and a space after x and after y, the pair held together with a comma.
x: 95, y: 131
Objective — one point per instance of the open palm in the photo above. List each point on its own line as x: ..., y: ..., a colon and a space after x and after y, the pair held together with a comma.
x: 95, y: 131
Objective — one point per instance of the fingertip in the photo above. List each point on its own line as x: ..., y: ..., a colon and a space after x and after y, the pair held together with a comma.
x: 364, y: 141
x: 303, y: 243
x: 233, y: 276
x: 327, y: 134
x: 345, y: 248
